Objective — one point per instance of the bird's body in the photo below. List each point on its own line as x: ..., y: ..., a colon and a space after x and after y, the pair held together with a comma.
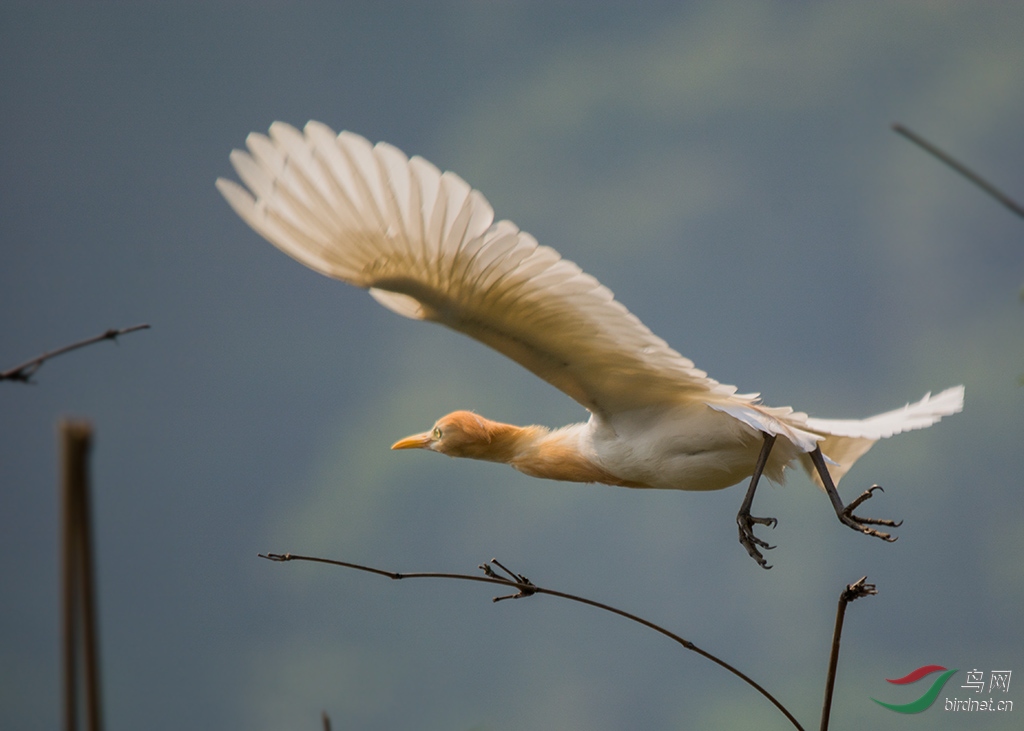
x: 426, y: 246
x: 691, y: 445
x: 686, y: 447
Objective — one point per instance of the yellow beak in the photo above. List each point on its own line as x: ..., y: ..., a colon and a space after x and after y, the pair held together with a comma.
x: 416, y: 441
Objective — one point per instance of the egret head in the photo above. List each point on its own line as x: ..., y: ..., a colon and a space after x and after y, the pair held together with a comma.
x: 459, y: 434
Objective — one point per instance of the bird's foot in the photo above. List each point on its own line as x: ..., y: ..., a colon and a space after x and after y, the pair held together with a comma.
x: 745, y: 523
x: 861, y: 525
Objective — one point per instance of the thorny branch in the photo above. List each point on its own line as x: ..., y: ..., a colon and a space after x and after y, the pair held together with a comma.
x: 26, y: 370
x: 524, y: 588
x: 960, y: 168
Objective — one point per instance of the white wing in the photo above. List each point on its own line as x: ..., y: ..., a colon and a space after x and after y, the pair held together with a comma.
x: 425, y: 245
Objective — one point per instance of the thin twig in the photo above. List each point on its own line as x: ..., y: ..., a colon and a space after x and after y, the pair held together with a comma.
x: 26, y: 370
x: 853, y: 591
x: 960, y: 168
x: 326, y: 719
x: 526, y: 588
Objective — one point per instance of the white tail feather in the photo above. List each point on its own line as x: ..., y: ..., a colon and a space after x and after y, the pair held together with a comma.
x: 847, y: 440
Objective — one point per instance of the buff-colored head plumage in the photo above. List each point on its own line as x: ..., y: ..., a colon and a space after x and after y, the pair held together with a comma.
x: 462, y: 434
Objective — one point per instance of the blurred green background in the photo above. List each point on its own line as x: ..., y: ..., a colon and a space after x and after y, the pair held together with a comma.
x: 726, y: 168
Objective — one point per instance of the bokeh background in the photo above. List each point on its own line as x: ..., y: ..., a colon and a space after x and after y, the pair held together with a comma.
x: 726, y: 168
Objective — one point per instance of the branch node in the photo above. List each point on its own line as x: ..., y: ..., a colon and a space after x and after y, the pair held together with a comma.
x: 26, y: 370
x: 279, y: 557
x: 525, y: 586
x: 858, y: 589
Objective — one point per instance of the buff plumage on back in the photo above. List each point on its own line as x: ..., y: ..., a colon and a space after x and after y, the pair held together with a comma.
x: 426, y: 246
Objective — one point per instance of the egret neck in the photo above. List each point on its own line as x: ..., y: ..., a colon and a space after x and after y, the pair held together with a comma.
x: 559, y: 454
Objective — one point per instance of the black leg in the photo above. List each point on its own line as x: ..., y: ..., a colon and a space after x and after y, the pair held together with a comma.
x: 845, y: 512
x: 744, y: 520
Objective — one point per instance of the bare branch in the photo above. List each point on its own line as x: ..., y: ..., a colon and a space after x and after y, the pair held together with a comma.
x: 853, y: 591
x: 526, y: 588
x: 960, y: 168
x: 80, y: 641
x: 26, y: 370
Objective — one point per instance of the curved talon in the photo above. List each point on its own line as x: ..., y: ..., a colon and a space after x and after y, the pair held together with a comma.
x: 845, y: 512
x: 864, y: 496
x: 862, y: 524
x: 747, y: 535
x: 745, y: 524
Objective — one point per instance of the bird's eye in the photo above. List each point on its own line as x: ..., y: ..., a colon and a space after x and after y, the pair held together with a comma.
x: 436, y: 433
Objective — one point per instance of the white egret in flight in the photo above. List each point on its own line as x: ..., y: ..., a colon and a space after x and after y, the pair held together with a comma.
x: 426, y: 246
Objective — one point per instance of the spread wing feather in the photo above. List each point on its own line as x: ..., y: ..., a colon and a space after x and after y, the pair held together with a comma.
x: 425, y: 244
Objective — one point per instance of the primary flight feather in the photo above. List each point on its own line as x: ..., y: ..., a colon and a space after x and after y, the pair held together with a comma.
x: 426, y: 246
